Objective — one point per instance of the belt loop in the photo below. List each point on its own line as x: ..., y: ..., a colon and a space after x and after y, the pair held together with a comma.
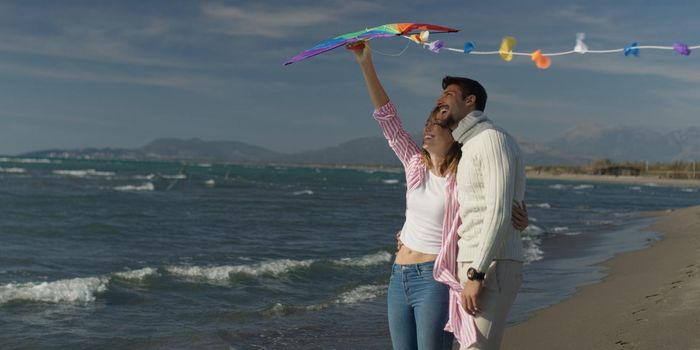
x: 418, y: 270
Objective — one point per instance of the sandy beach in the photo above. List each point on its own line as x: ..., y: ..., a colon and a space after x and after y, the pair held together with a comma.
x: 649, y: 300
x: 640, y: 180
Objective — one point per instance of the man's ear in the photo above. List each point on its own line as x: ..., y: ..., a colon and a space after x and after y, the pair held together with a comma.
x: 470, y: 100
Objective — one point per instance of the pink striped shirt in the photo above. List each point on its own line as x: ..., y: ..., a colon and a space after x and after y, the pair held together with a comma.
x: 460, y: 322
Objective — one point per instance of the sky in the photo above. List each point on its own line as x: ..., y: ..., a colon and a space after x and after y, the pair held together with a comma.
x: 122, y: 73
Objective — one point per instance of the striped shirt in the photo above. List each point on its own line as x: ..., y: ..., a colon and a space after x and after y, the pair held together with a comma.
x: 409, y: 153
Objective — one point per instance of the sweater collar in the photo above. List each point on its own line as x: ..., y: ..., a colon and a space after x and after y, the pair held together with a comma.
x: 471, y: 125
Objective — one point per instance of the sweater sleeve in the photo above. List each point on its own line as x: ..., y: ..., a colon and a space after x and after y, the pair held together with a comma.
x: 498, y: 167
x: 399, y: 140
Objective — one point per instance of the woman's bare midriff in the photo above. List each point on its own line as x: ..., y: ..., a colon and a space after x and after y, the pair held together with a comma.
x: 407, y: 256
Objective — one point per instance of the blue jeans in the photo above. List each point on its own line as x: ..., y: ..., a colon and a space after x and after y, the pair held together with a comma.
x: 418, y: 308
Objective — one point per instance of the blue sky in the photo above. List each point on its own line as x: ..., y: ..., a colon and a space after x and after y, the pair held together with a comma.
x: 122, y: 73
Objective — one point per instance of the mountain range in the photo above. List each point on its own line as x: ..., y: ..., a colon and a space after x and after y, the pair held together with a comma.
x: 580, y: 145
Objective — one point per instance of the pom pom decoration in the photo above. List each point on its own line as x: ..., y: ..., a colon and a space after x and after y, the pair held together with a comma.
x: 681, y: 49
x: 542, y: 61
x: 506, y: 50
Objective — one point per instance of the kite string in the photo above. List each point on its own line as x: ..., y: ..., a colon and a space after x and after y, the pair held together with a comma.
x: 392, y: 54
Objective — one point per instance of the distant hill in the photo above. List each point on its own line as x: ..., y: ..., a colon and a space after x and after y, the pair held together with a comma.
x: 197, y: 149
x: 580, y: 145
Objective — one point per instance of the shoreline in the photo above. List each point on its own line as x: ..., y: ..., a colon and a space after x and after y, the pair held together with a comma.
x: 632, y: 180
x: 649, y: 298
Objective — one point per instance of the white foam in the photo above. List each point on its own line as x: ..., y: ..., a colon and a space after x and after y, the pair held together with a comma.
x: 210, y: 182
x: 204, y: 165
x: 223, y: 273
x: 559, y: 229
x: 651, y: 184
x: 174, y: 177
x: 29, y: 160
x: 635, y: 188
x: 366, y: 260
x: 576, y: 233
x: 390, y: 181
x: 583, y: 187
x: 137, y: 275
x: 13, y: 170
x: 532, y: 230
x: 559, y: 187
x: 144, y: 187
x: 83, y: 173
x: 68, y: 290
x: 689, y: 190
x: 531, y: 249
x: 307, y: 192
x: 144, y: 177
x: 542, y: 205
x: 361, y: 293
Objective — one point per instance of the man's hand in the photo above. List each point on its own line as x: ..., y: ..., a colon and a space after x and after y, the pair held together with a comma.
x: 520, y: 217
x: 470, y: 296
x: 361, y: 50
x: 399, y: 244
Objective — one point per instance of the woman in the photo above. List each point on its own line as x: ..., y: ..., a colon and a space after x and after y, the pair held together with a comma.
x: 418, y: 304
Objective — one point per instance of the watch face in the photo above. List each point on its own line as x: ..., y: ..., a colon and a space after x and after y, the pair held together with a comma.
x: 470, y: 273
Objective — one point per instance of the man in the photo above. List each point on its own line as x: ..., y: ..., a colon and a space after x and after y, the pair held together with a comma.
x: 490, y: 177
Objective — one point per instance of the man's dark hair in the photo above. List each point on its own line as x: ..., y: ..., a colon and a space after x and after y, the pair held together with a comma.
x: 468, y: 87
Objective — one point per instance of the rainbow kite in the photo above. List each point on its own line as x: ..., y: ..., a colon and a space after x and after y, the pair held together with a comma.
x: 408, y: 30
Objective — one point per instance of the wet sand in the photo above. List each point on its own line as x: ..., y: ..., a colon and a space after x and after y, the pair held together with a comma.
x: 649, y: 300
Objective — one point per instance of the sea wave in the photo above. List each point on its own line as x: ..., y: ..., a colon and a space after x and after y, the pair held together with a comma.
x: 143, y: 187
x: 390, y: 181
x: 559, y: 229
x: 689, y: 190
x: 583, y: 187
x: 361, y: 293
x: 542, y: 205
x: 356, y: 295
x: 29, y: 160
x: 223, y: 273
x: 532, y: 230
x: 531, y: 249
x: 76, y: 290
x: 210, y: 183
x: 174, y: 177
x: 307, y: 192
x: 366, y: 260
x: 137, y: 275
x: 13, y: 170
x: 144, y: 177
x: 83, y: 173
x: 559, y: 187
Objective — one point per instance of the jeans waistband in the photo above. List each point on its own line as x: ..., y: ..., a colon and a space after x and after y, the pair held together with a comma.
x: 421, y: 267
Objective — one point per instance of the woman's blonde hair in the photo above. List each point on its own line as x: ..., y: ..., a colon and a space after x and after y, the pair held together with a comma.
x: 454, y: 154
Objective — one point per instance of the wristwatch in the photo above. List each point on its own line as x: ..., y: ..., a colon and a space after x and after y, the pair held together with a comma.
x: 474, y: 275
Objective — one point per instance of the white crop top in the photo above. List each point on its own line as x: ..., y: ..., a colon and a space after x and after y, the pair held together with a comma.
x: 425, y: 212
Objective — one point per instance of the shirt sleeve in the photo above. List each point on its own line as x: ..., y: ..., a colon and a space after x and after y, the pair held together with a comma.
x: 498, y: 166
x: 399, y: 140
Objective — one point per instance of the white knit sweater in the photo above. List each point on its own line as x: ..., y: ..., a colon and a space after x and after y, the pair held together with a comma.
x: 490, y: 176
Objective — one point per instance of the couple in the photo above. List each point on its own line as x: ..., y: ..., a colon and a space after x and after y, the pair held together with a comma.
x: 459, y: 266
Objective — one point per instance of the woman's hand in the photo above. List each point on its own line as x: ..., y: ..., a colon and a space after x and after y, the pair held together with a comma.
x: 361, y: 51
x: 520, y: 217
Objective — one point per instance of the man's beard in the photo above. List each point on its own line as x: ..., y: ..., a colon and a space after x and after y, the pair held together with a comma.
x: 448, y: 122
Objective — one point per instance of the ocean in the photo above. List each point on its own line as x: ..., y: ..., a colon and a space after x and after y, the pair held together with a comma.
x: 172, y: 255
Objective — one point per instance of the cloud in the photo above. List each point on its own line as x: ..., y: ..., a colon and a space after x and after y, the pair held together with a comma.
x: 277, y: 22
x: 623, y: 66
x: 121, y: 77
